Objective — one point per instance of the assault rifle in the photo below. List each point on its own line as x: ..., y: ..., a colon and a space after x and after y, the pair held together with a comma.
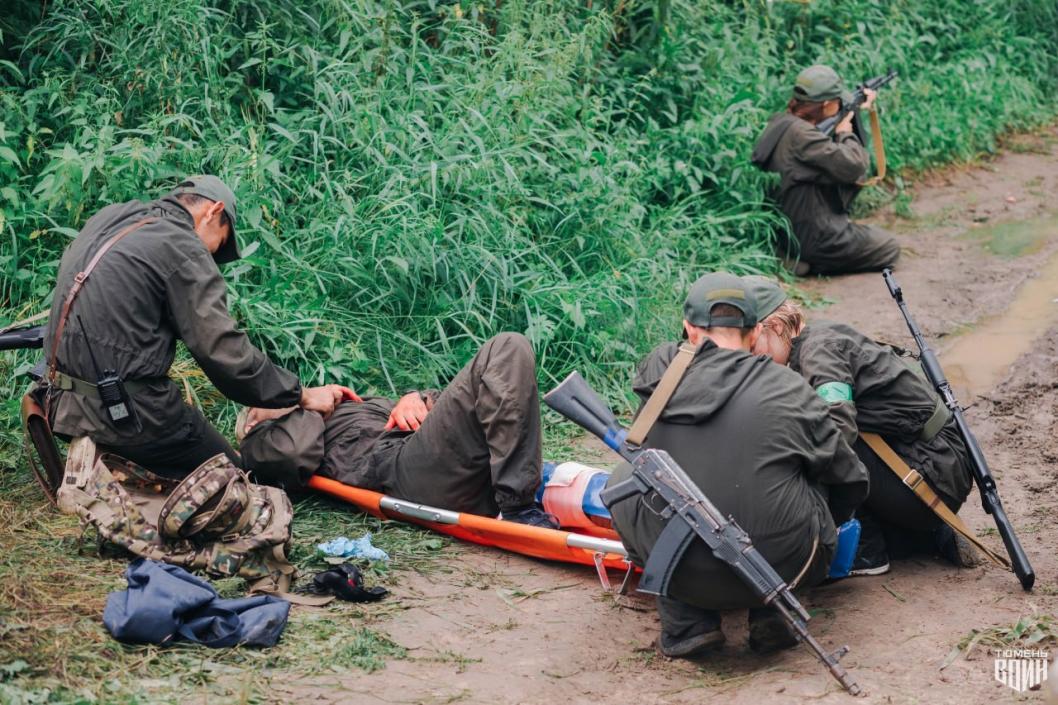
x: 19, y: 338
x: 986, y: 484
x: 692, y: 516
x: 828, y: 126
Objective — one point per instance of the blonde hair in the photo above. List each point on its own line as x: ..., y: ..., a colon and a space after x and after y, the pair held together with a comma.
x: 786, y: 321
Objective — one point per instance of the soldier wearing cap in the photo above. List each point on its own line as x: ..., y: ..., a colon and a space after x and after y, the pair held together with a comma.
x: 819, y: 176
x: 157, y: 284
x: 758, y: 442
x: 870, y: 388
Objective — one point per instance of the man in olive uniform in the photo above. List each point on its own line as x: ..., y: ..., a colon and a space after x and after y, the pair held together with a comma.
x: 870, y: 388
x: 474, y: 447
x: 819, y: 180
x: 759, y: 444
x: 157, y: 283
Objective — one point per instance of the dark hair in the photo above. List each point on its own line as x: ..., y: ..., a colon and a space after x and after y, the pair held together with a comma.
x: 811, y: 111
x: 726, y: 311
x: 191, y: 200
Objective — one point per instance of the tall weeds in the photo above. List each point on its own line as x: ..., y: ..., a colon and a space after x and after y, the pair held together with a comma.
x: 416, y: 176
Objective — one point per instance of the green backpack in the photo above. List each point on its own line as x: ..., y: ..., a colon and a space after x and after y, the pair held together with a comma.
x: 215, y: 520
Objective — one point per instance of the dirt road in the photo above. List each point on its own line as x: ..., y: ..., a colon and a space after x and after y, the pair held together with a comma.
x: 503, y: 629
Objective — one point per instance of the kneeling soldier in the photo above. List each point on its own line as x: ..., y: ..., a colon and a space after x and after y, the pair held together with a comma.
x: 758, y: 442
x: 474, y: 447
x: 870, y: 389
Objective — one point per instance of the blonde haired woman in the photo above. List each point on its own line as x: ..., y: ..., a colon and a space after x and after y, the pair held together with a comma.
x: 874, y: 388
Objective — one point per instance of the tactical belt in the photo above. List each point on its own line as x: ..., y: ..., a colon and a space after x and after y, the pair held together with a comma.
x: 67, y: 383
x: 914, y: 480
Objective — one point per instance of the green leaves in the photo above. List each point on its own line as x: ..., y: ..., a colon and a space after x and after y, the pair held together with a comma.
x: 415, y: 177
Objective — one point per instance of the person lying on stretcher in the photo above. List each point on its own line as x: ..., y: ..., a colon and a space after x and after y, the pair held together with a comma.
x: 473, y: 447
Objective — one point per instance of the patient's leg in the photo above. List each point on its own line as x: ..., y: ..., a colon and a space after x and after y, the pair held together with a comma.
x: 479, y: 448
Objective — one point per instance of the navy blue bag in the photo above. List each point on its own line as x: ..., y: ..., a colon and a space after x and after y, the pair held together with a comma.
x: 164, y: 603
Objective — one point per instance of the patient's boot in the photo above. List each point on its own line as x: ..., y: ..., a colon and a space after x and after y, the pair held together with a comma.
x: 531, y: 515
x: 687, y: 631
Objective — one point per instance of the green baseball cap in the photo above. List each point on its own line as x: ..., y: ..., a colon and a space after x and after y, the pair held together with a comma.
x: 819, y: 83
x: 720, y: 288
x: 214, y: 189
x: 766, y: 292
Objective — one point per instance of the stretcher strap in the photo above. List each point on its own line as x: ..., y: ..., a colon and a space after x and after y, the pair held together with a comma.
x: 917, y: 484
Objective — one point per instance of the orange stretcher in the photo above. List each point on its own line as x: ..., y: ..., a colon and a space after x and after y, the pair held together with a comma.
x: 534, y: 541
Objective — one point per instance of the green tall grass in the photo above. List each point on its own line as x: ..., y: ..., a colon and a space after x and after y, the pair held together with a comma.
x: 416, y: 176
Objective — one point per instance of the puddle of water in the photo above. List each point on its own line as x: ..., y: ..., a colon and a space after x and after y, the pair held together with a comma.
x: 979, y: 359
x: 1017, y: 237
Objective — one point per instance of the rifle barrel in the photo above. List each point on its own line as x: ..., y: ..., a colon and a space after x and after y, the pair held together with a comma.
x: 986, y: 484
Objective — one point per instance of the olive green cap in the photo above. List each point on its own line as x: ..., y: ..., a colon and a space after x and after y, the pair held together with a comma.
x: 214, y: 189
x: 817, y: 84
x: 720, y: 288
x: 766, y: 292
x: 284, y: 452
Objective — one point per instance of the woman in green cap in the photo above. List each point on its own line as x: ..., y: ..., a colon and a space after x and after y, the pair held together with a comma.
x: 873, y: 388
x: 820, y: 179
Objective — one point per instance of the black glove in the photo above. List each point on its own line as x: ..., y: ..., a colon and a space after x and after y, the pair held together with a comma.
x: 346, y: 583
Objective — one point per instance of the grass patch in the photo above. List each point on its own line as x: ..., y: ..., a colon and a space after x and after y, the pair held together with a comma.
x: 54, y: 582
x: 1032, y: 631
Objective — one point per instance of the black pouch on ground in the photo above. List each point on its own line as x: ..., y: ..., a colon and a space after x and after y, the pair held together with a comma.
x: 345, y: 582
x: 165, y: 604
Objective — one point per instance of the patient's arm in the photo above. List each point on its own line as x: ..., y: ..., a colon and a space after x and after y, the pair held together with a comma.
x: 256, y: 415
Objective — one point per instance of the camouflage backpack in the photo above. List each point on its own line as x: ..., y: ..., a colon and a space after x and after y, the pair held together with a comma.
x: 214, y: 520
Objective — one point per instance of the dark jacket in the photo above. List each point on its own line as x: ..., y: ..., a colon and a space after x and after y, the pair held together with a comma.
x: 758, y: 442
x: 888, y: 395
x: 156, y: 286
x: 817, y: 187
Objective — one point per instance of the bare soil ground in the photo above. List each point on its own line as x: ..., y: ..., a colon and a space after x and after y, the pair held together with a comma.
x: 505, y: 629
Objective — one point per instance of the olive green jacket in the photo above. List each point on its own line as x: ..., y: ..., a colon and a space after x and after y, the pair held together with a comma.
x: 156, y: 286
x: 869, y: 387
x: 817, y: 187
x: 760, y: 445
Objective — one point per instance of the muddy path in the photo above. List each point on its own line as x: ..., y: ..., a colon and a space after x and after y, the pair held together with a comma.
x: 504, y: 629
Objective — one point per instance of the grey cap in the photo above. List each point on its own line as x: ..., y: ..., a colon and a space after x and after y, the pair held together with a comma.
x: 214, y: 189
x: 819, y: 83
x: 720, y: 288
x: 766, y: 292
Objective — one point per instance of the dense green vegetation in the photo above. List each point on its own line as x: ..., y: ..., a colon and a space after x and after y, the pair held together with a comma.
x: 416, y: 176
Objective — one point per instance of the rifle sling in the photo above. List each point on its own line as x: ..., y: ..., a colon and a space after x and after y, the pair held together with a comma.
x: 78, y: 284
x: 917, y: 484
x: 879, y: 149
x: 662, y: 393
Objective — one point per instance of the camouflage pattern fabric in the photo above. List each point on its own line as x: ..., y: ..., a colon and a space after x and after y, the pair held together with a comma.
x: 215, y: 520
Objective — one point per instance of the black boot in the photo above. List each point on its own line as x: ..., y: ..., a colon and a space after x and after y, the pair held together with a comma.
x: 687, y: 631
x: 871, y: 555
x: 531, y: 515
x: 768, y: 632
